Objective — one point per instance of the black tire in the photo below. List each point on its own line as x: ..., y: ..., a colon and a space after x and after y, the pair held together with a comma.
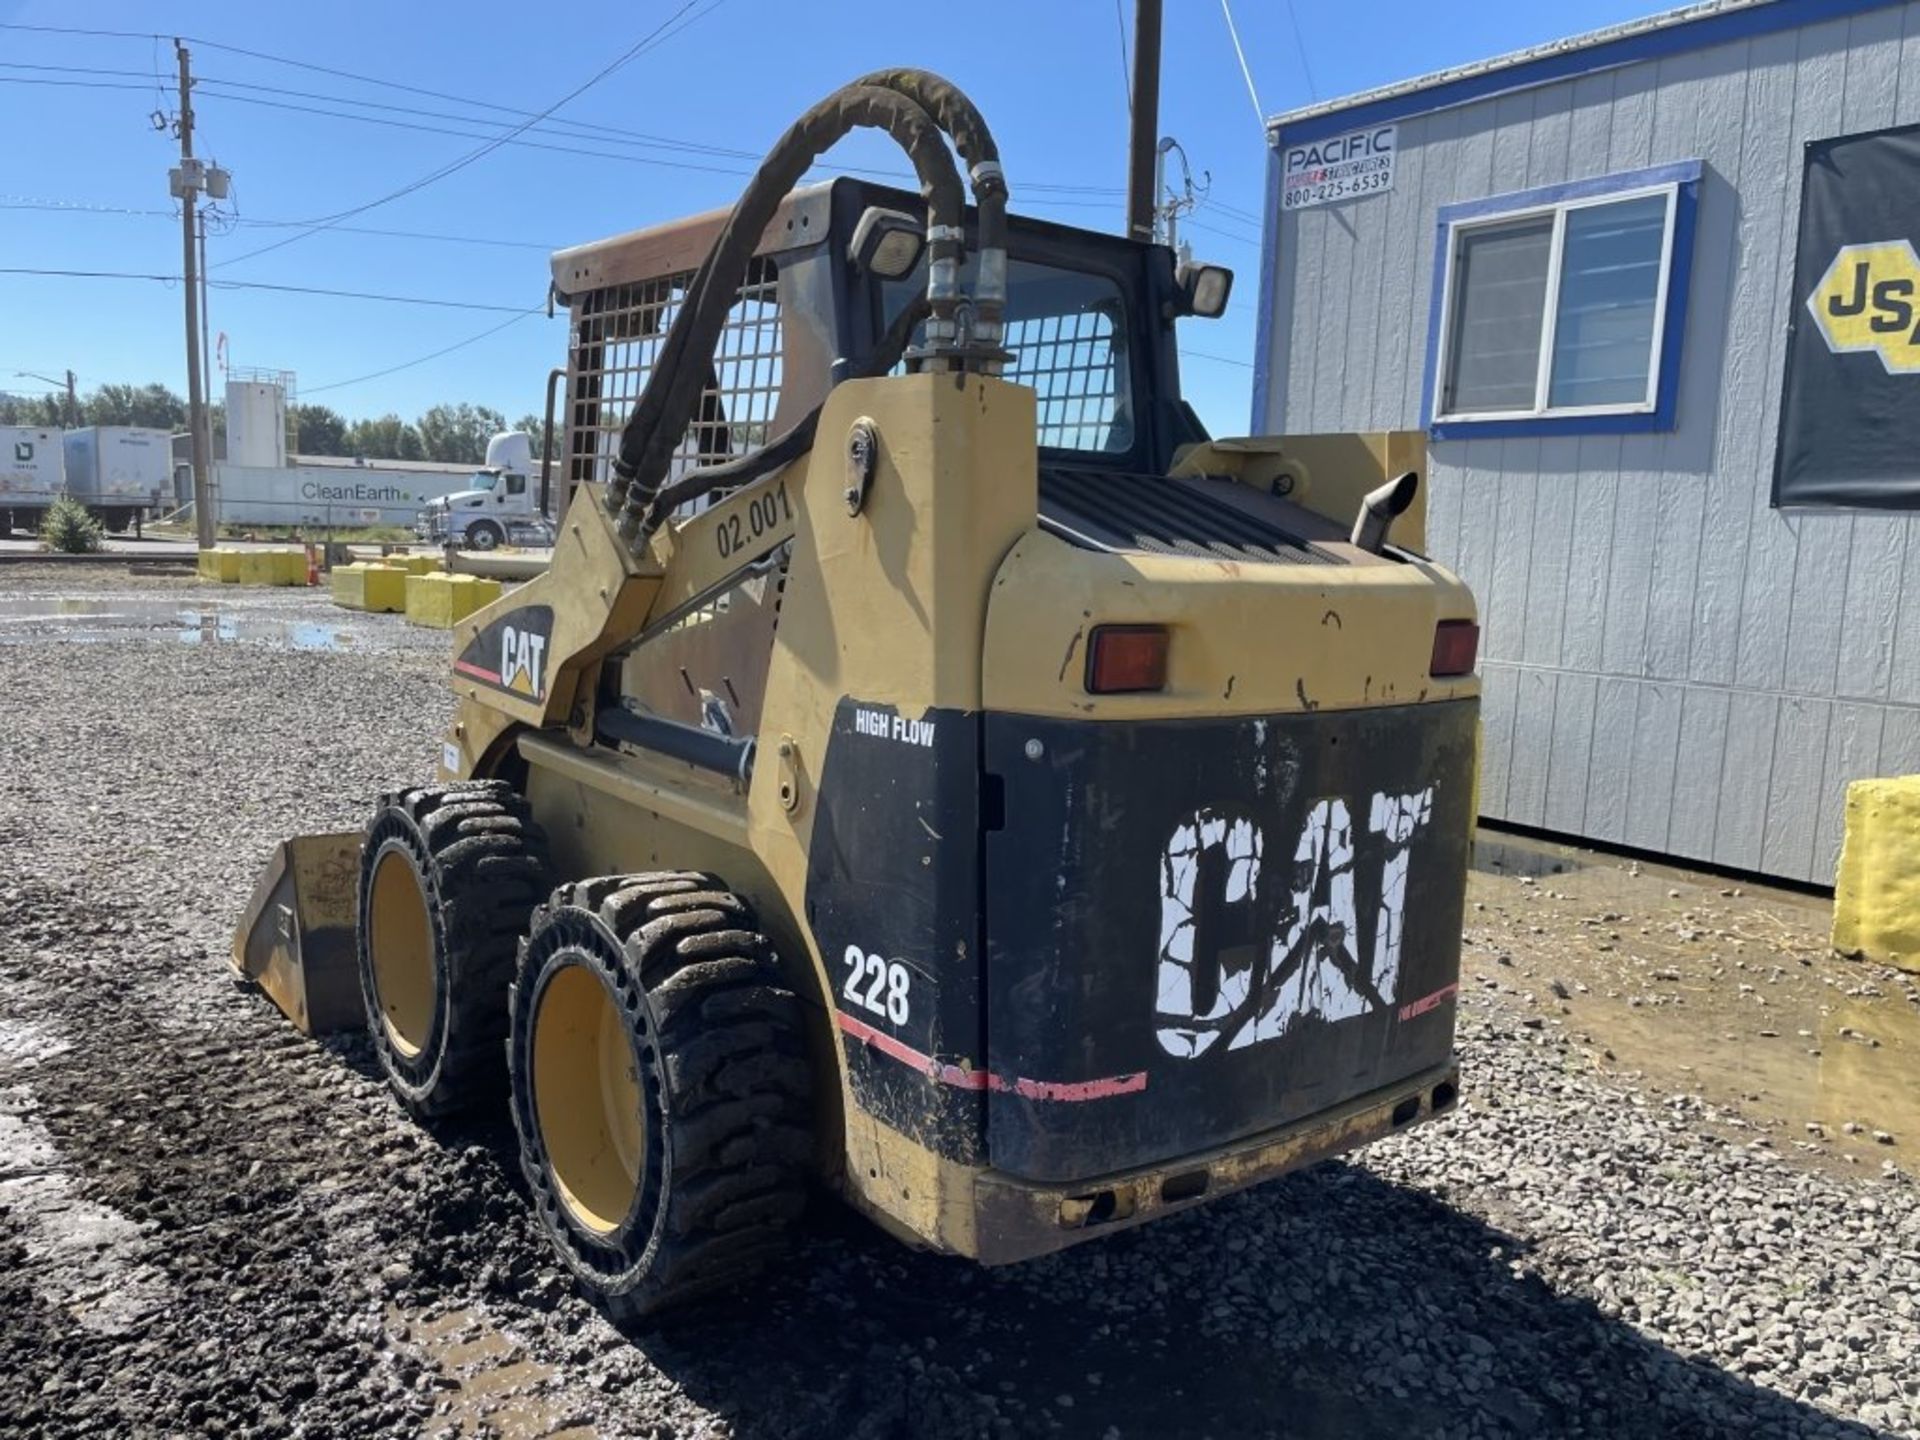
x: 478, y: 866
x: 485, y: 535
x: 718, y: 1062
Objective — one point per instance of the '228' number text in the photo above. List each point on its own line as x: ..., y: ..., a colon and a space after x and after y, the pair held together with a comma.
x: 877, y: 984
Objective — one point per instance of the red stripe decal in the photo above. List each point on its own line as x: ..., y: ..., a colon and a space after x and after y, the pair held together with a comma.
x: 1429, y: 1002
x: 1078, y: 1089
x: 468, y: 668
x: 962, y: 1078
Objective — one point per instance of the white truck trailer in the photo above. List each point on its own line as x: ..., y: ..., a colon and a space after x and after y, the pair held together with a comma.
x: 323, y: 493
x: 32, y: 476
x: 119, y: 472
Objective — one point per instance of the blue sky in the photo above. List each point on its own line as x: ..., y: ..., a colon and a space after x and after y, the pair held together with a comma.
x: 1046, y: 73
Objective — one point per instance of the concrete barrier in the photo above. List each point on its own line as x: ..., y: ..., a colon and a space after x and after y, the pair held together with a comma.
x: 222, y: 563
x: 441, y: 601
x: 1876, y: 895
x: 370, y: 587
x: 254, y: 565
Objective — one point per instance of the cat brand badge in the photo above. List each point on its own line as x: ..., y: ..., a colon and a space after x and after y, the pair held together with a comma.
x: 510, y: 654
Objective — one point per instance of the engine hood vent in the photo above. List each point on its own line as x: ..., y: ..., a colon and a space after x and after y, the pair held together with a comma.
x: 1118, y: 512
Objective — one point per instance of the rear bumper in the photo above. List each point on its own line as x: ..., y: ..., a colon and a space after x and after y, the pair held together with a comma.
x: 1021, y: 1219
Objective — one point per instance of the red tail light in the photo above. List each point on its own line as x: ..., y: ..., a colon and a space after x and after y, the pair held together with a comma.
x: 1126, y: 659
x: 1456, y: 645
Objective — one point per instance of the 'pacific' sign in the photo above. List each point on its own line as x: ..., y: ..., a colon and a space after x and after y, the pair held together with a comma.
x: 1342, y: 167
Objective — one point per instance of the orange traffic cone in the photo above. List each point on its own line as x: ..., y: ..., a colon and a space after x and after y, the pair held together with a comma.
x: 313, y: 566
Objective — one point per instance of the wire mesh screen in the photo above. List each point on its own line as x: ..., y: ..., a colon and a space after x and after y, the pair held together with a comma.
x: 1070, y: 362
x: 619, y: 333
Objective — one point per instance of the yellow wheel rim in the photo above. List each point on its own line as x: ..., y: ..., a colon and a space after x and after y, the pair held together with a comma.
x: 586, y: 1098
x: 400, y: 940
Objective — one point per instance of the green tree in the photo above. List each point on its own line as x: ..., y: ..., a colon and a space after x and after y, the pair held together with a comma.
x: 387, y: 438
x: 39, y: 411
x: 151, y: 405
x: 320, y: 430
x: 458, y: 434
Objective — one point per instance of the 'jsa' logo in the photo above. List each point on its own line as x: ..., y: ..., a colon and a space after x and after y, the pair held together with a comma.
x: 1867, y: 300
x: 522, y: 660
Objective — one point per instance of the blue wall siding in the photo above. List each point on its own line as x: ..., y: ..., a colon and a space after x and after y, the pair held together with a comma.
x: 1669, y: 663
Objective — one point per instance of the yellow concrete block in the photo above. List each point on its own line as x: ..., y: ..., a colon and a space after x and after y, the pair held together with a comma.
x: 416, y: 564
x: 258, y: 567
x: 1876, y: 895
x: 370, y: 587
x: 290, y: 565
x: 485, y: 591
x: 441, y: 601
x: 208, y: 567
x: 225, y: 563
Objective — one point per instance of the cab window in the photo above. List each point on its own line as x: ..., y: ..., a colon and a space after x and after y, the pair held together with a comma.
x: 1067, y: 333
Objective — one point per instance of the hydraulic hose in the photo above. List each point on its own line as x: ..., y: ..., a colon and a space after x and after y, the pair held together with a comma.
x: 665, y: 407
x: 961, y: 119
x: 792, y: 443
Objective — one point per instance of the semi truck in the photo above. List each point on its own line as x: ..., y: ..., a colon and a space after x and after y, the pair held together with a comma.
x: 505, y: 502
x: 32, y: 476
x: 119, y: 472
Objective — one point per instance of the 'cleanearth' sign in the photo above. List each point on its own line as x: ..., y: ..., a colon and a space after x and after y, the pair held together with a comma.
x: 1342, y: 167
x: 329, y: 494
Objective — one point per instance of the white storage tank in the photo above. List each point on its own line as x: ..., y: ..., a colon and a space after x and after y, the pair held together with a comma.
x: 32, y: 475
x: 256, y: 423
x: 117, y: 471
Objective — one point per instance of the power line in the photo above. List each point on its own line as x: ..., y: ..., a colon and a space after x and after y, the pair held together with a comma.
x: 1300, y: 42
x: 1203, y: 355
x: 1046, y: 194
x: 264, y: 285
x: 251, y: 222
x: 658, y: 35
x: 569, y: 129
x: 1250, y: 243
x: 543, y: 121
x: 512, y: 138
x: 1233, y: 33
x: 1236, y: 213
x: 71, y: 84
x: 72, y: 30
x: 72, y: 70
x: 419, y: 360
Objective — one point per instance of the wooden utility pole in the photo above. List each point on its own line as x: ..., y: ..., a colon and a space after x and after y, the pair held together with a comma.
x: 1144, y: 139
x: 190, y: 267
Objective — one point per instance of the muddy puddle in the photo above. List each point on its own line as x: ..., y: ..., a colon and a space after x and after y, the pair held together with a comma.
x: 487, y: 1384
x: 37, y: 619
x: 1712, y: 988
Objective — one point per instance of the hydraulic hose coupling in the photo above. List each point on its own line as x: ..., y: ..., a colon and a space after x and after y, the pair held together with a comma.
x: 990, y: 286
x: 946, y: 246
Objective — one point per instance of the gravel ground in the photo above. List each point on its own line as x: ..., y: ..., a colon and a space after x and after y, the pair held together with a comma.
x: 209, y: 1225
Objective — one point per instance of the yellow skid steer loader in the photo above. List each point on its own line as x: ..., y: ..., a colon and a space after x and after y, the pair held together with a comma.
x: 931, y: 766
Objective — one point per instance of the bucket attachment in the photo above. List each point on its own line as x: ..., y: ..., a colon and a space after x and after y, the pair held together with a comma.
x: 296, y: 940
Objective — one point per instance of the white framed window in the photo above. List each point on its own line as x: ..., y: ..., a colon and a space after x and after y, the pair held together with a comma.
x: 1559, y: 308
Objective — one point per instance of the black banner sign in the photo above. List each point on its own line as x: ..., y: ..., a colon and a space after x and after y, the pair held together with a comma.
x: 1850, y: 407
